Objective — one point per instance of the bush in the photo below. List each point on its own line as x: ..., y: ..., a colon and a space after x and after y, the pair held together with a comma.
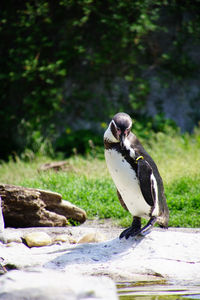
x: 80, y: 141
x: 86, y: 42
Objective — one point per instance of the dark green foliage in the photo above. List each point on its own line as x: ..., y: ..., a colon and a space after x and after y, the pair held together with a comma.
x: 79, y: 141
x: 31, y: 72
x: 43, y: 43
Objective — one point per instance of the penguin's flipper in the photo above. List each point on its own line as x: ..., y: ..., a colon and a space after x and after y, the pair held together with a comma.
x: 144, y: 174
x: 121, y: 200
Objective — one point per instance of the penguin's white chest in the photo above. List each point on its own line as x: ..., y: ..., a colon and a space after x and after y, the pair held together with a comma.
x: 127, y: 184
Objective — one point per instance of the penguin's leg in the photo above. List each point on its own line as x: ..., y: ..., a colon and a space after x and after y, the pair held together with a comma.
x: 144, y: 230
x: 133, y: 230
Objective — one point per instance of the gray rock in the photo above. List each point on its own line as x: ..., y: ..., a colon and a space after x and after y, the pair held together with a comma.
x: 55, y: 285
x: 160, y: 254
x: 26, y: 207
x: 2, y: 235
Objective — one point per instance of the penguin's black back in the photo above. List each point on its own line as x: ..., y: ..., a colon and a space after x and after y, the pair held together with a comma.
x: 139, y: 149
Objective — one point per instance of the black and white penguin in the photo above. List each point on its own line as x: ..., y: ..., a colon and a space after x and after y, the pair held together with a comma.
x: 139, y: 185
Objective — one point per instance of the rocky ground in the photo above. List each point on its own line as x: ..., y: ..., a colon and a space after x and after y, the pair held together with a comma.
x: 87, y: 260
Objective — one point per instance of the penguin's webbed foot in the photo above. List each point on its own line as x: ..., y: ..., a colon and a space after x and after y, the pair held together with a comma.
x: 129, y: 232
x: 133, y: 230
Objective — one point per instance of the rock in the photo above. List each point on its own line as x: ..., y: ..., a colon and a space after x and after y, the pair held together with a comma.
x: 72, y: 240
x: 68, y: 209
x: 2, y: 268
x: 49, y: 197
x: 2, y: 235
x: 27, y: 207
x: 171, y: 255
x: 61, y: 238
x: 37, y: 239
x: 64, y: 238
x: 13, y: 238
x: 55, y: 285
x: 56, y: 166
x: 93, y: 237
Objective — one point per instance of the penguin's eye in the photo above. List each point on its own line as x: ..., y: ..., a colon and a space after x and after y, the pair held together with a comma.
x: 126, y: 132
x: 118, y: 130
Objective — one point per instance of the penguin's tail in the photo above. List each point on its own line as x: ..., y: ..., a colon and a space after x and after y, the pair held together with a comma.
x: 163, y: 219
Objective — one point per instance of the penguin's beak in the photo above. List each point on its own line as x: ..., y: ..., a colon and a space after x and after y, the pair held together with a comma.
x: 121, y: 138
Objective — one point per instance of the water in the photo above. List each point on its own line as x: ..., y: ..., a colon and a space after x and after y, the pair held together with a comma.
x: 159, y: 290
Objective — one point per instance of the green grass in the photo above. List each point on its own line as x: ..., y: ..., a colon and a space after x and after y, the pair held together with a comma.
x: 87, y: 183
x: 183, y: 197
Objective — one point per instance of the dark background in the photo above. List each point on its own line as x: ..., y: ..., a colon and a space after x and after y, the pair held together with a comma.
x: 67, y: 66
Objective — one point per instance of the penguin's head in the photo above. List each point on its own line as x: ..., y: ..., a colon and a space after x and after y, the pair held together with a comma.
x: 119, y: 128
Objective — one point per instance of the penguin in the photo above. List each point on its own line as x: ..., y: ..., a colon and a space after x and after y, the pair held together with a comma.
x: 139, y: 185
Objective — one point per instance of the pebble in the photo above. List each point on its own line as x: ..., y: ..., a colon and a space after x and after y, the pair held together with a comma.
x: 61, y: 238
x: 37, y: 239
x: 93, y: 237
